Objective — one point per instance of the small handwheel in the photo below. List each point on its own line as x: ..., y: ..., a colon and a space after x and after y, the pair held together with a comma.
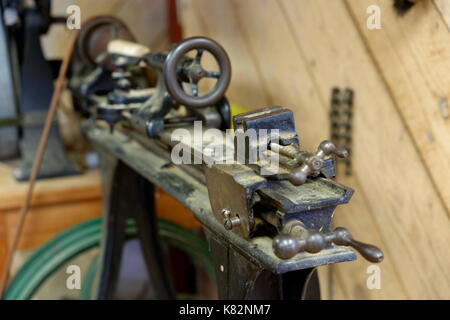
x: 195, y: 72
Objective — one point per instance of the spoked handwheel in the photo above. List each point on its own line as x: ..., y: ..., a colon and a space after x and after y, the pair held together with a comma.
x: 194, y: 72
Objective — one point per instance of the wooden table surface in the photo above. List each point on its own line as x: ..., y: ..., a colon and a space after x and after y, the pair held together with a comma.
x: 57, y: 204
x: 60, y: 203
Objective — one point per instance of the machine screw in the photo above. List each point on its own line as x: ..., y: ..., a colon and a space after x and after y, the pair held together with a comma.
x: 229, y: 223
x: 226, y: 213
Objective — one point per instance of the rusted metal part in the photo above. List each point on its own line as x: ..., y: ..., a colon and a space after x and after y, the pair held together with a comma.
x: 312, y: 164
x: 194, y: 196
x: 117, y: 71
x: 235, y: 182
x: 271, y: 118
x: 236, y: 188
x: 270, y: 133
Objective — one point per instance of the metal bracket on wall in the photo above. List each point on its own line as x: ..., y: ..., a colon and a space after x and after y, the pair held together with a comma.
x: 341, y: 116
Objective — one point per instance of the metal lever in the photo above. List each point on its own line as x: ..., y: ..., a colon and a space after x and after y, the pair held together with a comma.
x: 286, y: 246
x: 312, y: 163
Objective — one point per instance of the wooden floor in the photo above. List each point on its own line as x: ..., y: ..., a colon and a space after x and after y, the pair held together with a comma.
x: 292, y: 52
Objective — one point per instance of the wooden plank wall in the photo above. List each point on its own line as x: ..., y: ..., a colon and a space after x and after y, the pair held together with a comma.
x: 292, y: 52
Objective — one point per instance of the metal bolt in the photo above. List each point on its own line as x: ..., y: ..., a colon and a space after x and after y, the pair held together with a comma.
x: 315, y: 163
x: 231, y: 223
x: 226, y: 213
x: 298, y: 231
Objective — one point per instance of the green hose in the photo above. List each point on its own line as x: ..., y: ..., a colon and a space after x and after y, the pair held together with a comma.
x: 86, y: 288
x: 87, y: 235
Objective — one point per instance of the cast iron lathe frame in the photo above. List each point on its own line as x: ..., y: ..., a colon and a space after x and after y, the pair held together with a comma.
x: 130, y: 169
x: 267, y: 233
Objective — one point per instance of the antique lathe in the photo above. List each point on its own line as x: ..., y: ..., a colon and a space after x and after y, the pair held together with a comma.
x: 265, y: 204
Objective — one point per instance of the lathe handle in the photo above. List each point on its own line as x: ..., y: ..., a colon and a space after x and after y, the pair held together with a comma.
x: 344, y: 238
x: 312, y: 163
x: 286, y: 246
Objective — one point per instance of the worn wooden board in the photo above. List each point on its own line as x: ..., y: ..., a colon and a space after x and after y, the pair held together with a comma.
x: 44, y: 222
x: 245, y: 88
x: 412, y: 53
x: 48, y: 191
x: 57, y: 204
x: 147, y: 20
x: 342, y: 59
x: 443, y: 6
x: 61, y: 203
x: 301, y: 49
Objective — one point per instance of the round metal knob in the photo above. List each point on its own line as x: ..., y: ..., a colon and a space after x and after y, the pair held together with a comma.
x: 313, y: 163
x: 286, y: 246
x: 195, y: 72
